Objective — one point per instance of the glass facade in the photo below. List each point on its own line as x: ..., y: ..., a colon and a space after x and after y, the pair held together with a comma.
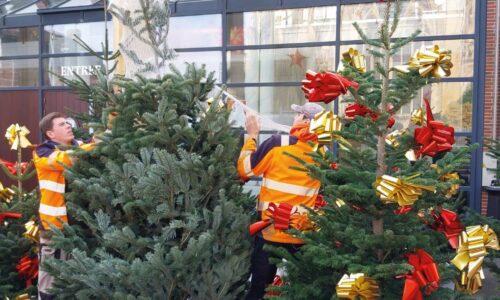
x: 260, y: 49
x: 61, y: 38
x: 19, y: 41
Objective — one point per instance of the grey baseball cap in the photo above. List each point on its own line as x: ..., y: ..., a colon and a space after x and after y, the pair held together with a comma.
x: 309, y: 109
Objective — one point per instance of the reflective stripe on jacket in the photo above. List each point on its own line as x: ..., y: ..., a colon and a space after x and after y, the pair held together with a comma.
x: 50, y: 163
x: 280, y: 183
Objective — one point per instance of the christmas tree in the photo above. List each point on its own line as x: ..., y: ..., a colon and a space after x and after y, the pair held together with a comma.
x: 18, y: 232
x: 155, y: 207
x: 390, y: 225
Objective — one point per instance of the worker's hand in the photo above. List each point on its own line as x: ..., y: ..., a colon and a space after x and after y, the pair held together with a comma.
x: 252, y: 125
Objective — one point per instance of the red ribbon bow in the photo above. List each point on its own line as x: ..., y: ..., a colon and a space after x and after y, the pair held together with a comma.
x: 319, y: 202
x: 27, y: 268
x: 435, y: 137
x: 276, y: 282
x: 12, y: 166
x: 278, y: 214
x: 325, y: 86
x: 357, y: 109
x: 424, y: 275
x: 11, y: 215
x: 447, y: 221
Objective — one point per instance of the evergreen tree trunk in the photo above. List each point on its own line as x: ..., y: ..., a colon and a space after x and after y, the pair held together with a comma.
x: 378, y: 223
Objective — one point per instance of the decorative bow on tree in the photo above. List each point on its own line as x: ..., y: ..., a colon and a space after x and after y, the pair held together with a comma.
x: 6, y: 194
x: 16, y: 135
x: 447, y: 222
x: 357, y: 109
x: 425, y: 275
x: 472, y: 246
x: 357, y: 285
x: 429, y: 61
x: 325, y: 124
x: 27, y: 268
x: 9, y: 215
x: 277, y: 214
x: 12, y: 167
x: 392, y: 189
x: 325, y: 86
x: 435, y: 137
x: 355, y: 59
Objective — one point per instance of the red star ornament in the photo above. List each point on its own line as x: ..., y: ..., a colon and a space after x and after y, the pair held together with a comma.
x: 297, y: 58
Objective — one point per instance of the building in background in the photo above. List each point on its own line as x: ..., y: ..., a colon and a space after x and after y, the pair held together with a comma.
x: 260, y: 49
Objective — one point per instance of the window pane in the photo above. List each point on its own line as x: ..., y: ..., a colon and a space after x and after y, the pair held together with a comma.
x: 462, y: 55
x: 19, y: 41
x: 19, y: 72
x: 275, y: 65
x: 72, y: 3
x: 315, y: 24
x: 212, y: 60
x: 433, y: 17
x: 273, y: 102
x: 60, y: 38
x: 42, y: 4
x: 195, y: 31
x: 65, y: 66
x: 7, y: 8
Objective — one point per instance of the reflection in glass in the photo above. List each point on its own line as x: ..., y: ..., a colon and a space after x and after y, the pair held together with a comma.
x: 19, y: 72
x: 273, y: 102
x: 60, y: 38
x: 72, y: 3
x: 83, y: 66
x: 462, y: 55
x: 275, y: 65
x: 195, y: 31
x: 11, y: 6
x: 19, y: 41
x: 314, y: 24
x: 41, y: 4
x: 211, y: 59
x: 443, y: 17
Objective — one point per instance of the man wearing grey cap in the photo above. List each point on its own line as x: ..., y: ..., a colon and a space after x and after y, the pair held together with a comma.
x: 284, y: 191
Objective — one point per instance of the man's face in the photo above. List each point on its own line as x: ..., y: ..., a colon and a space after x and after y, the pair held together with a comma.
x: 300, y: 119
x: 61, y: 132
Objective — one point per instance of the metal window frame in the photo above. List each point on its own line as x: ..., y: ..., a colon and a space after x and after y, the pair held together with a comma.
x: 52, y: 16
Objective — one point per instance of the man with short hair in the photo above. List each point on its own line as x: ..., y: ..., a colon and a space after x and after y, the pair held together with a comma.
x: 50, y: 162
x: 283, y: 188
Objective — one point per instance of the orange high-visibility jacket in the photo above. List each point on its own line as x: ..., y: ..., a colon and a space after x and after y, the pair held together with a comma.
x: 50, y: 163
x: 280, y: 183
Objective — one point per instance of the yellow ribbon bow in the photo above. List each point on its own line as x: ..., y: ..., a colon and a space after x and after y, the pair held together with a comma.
x: 355, y: 59
x: 391, y: 189
x: 324, y: 124
x: 357, y: 285
x: 16, y: 135
x: 418, y: 116
x: 392, y: 138
x: 429, y: 61
x: 32, y: 232
x: 472, y: 245
x: 453, y: 190
x: 6, y: 194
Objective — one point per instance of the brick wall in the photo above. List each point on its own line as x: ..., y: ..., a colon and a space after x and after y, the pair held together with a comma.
x: 489, y: 82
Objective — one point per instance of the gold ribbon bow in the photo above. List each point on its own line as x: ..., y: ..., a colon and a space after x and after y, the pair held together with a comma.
x: 6, y: 194
x: 453, y: 190
x: 392, y: 189
x: 392, y: 138
x: 429, y: 61
x: 357, y: 285
x: 32, y: 233
x: 16, y: 135
x: 324, y: 124
x: 472, y: 245
x: 418, y: 116
x: 355, y: 59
